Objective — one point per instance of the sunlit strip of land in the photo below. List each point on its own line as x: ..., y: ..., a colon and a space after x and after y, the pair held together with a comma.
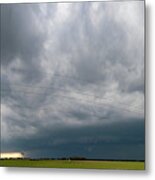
x: 11, y: 155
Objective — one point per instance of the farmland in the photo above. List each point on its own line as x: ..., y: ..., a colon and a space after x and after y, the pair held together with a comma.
x: 79, y: 164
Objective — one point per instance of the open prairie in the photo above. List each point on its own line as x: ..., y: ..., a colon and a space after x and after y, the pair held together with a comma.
x: 84, y: 164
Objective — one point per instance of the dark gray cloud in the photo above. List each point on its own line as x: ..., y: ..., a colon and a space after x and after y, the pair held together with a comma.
x: 72, y: 77
x: 22, y: 39
x: 97, y: 141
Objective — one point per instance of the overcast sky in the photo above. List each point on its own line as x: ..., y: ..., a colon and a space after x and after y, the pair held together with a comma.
x: 72, y: 79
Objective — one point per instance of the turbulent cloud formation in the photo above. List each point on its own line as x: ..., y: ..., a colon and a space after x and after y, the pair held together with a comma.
x: 72, y: 79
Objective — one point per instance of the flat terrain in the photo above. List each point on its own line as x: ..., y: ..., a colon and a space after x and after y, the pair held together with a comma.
x: 84, y: 164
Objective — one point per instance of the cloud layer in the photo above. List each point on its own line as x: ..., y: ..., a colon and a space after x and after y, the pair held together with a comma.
x: 72, y: 77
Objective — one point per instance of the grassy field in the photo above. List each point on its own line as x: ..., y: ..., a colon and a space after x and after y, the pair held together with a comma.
x: 74, y: 164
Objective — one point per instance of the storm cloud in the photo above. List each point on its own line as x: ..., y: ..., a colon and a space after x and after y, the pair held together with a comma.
x: 72, y: 79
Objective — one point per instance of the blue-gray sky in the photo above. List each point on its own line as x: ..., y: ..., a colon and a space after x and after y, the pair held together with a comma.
x: 72, y: 79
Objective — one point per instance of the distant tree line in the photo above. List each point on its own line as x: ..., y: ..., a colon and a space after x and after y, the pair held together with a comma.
x: 73, y: 158
x: 70, y: 158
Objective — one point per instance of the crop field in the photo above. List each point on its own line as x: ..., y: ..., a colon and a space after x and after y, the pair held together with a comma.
x: 79, y: 164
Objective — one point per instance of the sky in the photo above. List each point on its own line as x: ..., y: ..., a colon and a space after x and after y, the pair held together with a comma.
x: 72, y: 79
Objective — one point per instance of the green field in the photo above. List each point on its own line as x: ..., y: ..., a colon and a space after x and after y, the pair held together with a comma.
x: 84, y: 164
